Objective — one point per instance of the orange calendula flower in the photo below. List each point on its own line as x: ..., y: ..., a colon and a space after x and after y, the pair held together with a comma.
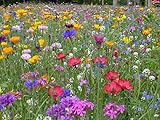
x: 5, y: 32
x: 146, y: 31
x: 6, y: 16
x: 14, y: 39
x: 21, y: 13
x: 7, y: 50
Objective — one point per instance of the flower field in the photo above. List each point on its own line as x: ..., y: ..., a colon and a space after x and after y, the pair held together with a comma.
x: 79, y: 62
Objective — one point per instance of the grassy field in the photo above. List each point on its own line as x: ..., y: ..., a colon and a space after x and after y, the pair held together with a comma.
x: 72, y: 62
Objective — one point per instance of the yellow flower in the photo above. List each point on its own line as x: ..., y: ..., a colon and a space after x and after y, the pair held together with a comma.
x: 126, y: 40
x: 97, y: 26
x: 3, y: 44
x: 114, y: 26
x: 87, y: 60
x: 146, y: 31
x: 6, y: 16
x: 6, y: 27
x: 21, y: 13
x: 76, y: 26
x: 25, y: 46
x: 109, y: 43
x: 7, y: 50
x: 41, y: 42
x: 2, y: 57
x: 34, y: 59
x: 5, y: 32
x: 14, y: 39
x: 141, y: 9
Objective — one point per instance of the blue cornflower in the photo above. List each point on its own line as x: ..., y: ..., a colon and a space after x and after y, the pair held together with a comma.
x: 66, y: 93
x: 139, y: 109
x: 31, y: 84
x: 28, y: 84
x: 12, y: 12
x: 69, y: 33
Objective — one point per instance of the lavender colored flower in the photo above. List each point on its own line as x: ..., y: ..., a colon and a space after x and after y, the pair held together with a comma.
x: 69, y: 34
x: 25, y: 56
x: 112, y: 110
x: 6, y: 100
x: 56, y: 45
x: 83, y: 82
x: 59, y: 68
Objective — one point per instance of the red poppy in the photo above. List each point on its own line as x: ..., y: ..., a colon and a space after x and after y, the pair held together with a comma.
x: 112, y: 88
x: 60, y: 56
x: 55, y: 92
x: 126, y: 85
x: 112, y: 76
x: 74, y: 61
x: 102, y: 60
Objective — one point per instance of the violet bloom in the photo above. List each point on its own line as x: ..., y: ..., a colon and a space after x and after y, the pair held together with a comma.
x: 59, y: 68
x: 69, y: 107
x: 69, y: 34
x: 112, y: 110
x: 6, y: 100
x: 2, y: 38
x: 81, y: 107
x: 99, y: 39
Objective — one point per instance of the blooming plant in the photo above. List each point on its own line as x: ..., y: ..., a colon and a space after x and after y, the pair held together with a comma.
x: 79, y: 62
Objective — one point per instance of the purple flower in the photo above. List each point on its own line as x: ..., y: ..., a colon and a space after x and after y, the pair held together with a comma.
x: 6, y: 100
x: 2, y: 38
x: 69, y: 34
x: 28, y: 84
x: 69, y: 107
x: 83, y: 82
x: 59, y: 68
x: 98, y: 38
x: 112, y: 110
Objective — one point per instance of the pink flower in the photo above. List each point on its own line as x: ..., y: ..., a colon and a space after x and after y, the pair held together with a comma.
x: 98, y: 38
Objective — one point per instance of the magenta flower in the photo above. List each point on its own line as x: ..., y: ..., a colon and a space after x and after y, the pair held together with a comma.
x: 99, y: 39
x: 112, y: 110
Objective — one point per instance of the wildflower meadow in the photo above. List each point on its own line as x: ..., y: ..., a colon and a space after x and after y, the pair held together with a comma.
x: 79, y: 62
